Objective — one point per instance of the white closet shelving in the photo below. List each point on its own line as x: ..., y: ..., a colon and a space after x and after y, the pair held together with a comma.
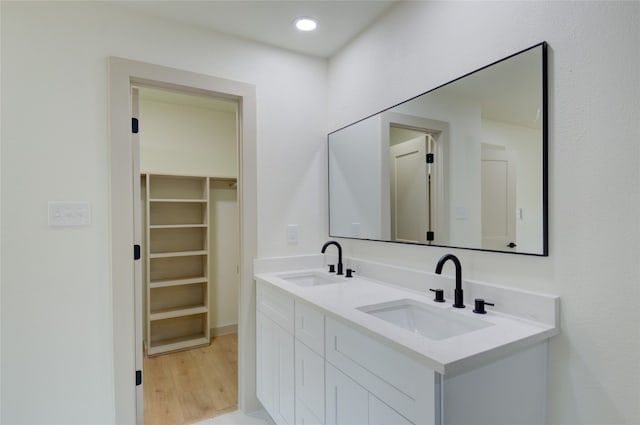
x: 177, y: 250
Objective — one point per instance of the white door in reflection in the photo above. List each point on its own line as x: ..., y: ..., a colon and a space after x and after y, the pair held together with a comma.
x: 410, y: 190
x: 498, y: 198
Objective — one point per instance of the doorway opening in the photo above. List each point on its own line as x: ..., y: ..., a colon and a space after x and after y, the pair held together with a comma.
x: 189, y: 238
x: 417, y: 173
x: 126, y: 193
x: 498, y: 198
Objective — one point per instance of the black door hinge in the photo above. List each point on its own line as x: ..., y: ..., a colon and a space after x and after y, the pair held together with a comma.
x: 138, y: 377
x: 430, y: 158
x: 136, y: 252
x: 134, y: 125
x: 431, y: 236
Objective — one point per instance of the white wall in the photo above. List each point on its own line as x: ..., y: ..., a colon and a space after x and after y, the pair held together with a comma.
x: 356, y: 181
x: 187, y: 139
x: 594, y: 63
x: 224, y: 261
x: 57, y: 363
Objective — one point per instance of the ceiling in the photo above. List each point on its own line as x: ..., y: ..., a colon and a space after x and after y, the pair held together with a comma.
x: 271, y: 21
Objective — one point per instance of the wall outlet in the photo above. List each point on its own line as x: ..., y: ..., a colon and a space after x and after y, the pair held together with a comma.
x: 355, y: 229
x: 460, y: 213
x: 292, y: 233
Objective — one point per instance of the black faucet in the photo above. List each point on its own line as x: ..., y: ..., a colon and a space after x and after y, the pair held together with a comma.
x: 324, y: 247
x: 457, y: 294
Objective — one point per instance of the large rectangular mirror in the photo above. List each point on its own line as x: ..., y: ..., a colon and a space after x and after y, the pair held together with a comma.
x: 463, y: 165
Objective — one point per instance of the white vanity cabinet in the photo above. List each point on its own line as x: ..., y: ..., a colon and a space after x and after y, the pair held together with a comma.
x: 289, y: 370
x: 314, y: 367
x: 294, y: 379
x: 274, y: 353
x: 398, y: 389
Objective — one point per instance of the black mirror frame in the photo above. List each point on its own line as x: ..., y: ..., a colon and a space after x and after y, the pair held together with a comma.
x: 545, y: 158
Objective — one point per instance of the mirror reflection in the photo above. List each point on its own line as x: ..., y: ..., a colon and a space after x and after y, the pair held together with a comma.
x: 463, y: 165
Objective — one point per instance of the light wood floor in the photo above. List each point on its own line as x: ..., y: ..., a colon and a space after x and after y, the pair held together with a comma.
x: 189, y: 386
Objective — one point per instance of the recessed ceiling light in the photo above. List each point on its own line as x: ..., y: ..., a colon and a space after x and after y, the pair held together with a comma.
x: 306, y: 24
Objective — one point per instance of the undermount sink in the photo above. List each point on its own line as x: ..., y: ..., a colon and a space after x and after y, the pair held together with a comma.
x: 313, y: 278
x: 430, y: 322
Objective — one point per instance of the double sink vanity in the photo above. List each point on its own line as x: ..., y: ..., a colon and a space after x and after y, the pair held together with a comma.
x: 377, y: 348
x: 463, y: 165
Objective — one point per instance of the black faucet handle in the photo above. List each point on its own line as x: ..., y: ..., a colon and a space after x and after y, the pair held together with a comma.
x: 332, y: 268
x: 479, y: 306
x: 350, y: 273
x: 439, y: 295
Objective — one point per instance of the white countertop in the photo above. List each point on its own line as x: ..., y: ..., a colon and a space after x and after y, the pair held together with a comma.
x: 450, y: 356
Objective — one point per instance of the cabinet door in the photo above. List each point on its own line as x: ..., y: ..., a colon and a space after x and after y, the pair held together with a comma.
x: 309, y: 382
x: 409, y: 387
x: 309, y: 327
x: 285, y: 395
x: 381, y: 414
x: 347, y: 402
x: 265, y: 372
x: 274, y: 370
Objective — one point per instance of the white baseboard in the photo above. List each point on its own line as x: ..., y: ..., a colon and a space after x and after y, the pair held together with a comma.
x: 224, y: 330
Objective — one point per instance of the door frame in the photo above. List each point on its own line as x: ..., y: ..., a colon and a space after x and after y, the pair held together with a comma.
x: 137, y: 267
x: 122, y: 74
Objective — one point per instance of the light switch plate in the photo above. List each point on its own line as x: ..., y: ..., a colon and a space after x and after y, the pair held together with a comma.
x: 69, y: 213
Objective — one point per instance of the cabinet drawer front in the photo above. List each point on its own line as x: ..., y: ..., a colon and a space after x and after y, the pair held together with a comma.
x: 347, y: 402
x: 381, y: 414
x: 275, y: 304
x: 404, y: 384
x: 309, y: 374
x: 304, y: 415
x: 310, y: 327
